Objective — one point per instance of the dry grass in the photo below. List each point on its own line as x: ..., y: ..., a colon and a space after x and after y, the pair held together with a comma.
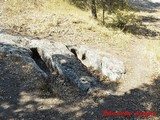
x: 37, y: 18
x: 154, y: 47
x: 40, y: 18
x: 66, y: 23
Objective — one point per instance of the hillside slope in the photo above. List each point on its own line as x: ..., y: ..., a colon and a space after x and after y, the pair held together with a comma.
x: 59, y: 21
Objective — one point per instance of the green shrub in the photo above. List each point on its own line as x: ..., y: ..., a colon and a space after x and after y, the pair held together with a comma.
x: 124, y: 19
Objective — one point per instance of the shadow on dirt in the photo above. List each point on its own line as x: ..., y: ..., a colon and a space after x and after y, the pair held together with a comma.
x: 141, y: 30
x: 140, y: 5
x: 150, y: 19
x: 143, y: 99
x: 145, y: 5
x: 146, y: 98
x: 19, y: 103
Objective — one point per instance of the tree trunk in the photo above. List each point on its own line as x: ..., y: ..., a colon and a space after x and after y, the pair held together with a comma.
x: 103, y: 15
x: 121, y: 3
x: 109, y: 5
x: 104, y: 5
x: 93, y: 8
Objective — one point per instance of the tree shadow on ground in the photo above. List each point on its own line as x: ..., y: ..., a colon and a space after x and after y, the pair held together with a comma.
x: 149, y: 19
x: 144, y: 98
x: 19, y: 103
x: 141, y: 30
x: 145, y: 5
x: 140, y: 5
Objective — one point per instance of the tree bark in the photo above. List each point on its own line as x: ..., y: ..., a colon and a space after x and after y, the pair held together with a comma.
x: 104, y: 5
x: 93, y: 9
x: 121, y: 3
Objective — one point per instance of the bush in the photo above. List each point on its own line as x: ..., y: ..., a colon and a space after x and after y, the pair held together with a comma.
x: 124, y: 19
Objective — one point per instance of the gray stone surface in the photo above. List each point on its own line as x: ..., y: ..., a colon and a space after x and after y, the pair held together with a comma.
x: 63, y: 59
x: 22, y: 55
x: 87, y: 56
x: 60, y: 59
x: 57, y: 58
x: 112, y: 67
x: 106, y: 63
x: 15, y: 50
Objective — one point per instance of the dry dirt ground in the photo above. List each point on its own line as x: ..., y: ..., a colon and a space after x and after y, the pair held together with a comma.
x: 138, y: 90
